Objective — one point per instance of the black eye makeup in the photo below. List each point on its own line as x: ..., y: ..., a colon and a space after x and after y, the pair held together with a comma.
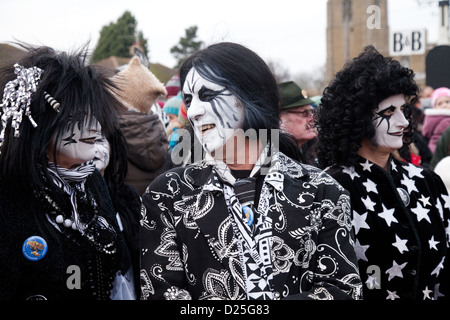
x: 187, y: 99
x: 205, y: 95
x: 387, y: 112
x: 69, y: 139
x: 208, y: 95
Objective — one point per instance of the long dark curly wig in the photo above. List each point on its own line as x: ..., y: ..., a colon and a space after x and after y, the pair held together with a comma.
x: 345, y: 117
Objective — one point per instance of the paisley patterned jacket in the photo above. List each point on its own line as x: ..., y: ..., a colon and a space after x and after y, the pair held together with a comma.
x: 191, y: 249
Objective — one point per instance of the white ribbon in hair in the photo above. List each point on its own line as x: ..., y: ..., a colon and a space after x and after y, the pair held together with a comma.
x: 17, y: 98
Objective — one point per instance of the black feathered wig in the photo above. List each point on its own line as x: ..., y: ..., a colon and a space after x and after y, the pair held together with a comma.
x: 345, y: 117
x: 83, y: 93
x: 248, y: 77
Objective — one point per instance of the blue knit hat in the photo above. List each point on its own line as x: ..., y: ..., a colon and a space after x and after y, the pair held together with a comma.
x: 172, y: 105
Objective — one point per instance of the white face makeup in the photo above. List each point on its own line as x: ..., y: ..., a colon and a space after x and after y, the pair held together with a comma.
x: 214, y: 112
x: 390, y: 122
x: 82, y: 146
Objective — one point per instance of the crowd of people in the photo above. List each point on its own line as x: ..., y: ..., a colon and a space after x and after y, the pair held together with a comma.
x: 103, y: 195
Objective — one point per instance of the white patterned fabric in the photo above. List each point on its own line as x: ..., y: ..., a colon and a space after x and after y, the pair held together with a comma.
x: 195, y: 244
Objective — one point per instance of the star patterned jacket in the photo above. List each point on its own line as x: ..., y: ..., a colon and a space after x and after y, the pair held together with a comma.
x: 401, y: 221
x: 191, y: 248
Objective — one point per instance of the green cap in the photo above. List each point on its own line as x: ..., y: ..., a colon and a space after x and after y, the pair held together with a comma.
x: 293, y: 96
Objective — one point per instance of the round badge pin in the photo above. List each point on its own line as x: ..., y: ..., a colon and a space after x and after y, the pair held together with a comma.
x: 34, y: 248
x: 248, y: 215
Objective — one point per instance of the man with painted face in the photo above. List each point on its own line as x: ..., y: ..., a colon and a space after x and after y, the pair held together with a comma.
x: 400, y: 211
x: 247, y: 221
x: 68, y: 223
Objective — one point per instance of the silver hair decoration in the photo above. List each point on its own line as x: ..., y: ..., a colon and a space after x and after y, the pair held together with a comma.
x: 52, y: 102
x: 17, y: 98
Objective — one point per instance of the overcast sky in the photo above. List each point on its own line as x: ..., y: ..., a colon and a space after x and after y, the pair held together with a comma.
x: 291, y: 33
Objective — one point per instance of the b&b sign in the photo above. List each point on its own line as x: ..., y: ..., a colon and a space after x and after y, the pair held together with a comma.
x: 407, y: 42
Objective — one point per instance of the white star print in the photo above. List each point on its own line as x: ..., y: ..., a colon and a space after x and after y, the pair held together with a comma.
x: 438, y: 268
x: 439, y: 207
x: 393, y: 165
x: 400, y: 244
x: 366, y: 165
x: 372, y: 282
x: 414, y: 171
x: 421, y: 213
x: 409, y: 184
x: 360, y: 250
x: 426, y: 293
x: 392, y: 295
x: 370, y: 186
x: 370, y: 205
x: 395, y: 270
x: 425, y: 201
x: 359, y: 221
x: 351, y: 172
x: 433, y: 243
x: 388, y: 215
x: 447, y: 201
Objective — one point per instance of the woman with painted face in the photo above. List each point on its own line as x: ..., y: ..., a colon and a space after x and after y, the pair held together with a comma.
x: 66, y: 231
x: 246, y: 221
x: 401, y: 212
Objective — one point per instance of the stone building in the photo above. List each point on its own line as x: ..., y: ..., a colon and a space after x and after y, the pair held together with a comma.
x: 353, y: 24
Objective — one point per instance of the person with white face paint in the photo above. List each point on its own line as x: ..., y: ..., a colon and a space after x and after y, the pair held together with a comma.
x: 68, y: 222
x: 248, y: 221
x: 216, y: 116
x: 400, y: 211
x: 80, y: 146
x: 390, y: 123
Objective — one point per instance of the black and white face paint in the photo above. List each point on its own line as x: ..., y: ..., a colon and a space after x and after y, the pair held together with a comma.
x: 81, y: 146
x: 214, y: 112
x: 390, y: 122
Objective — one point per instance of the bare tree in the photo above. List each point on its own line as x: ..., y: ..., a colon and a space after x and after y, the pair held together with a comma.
x: 313, y: 82
x: 281, y: 73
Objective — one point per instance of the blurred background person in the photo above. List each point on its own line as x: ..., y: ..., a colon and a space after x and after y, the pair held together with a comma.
x: 138, y: 90
x: 437, y: 118
x: 297, y: 119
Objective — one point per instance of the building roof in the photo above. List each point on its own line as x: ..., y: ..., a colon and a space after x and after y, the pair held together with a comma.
x: 10, y: 54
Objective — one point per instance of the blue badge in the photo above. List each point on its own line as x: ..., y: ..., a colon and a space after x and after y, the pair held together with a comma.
x: 34, y: 248
x: 248, y: 215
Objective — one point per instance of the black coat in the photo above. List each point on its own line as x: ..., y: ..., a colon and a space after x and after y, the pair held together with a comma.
x: 67, y: 260
x: 190, y: 248
x: 401, y: 220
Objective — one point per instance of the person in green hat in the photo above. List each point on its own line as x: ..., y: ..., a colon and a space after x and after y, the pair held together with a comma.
x: 297, y: 119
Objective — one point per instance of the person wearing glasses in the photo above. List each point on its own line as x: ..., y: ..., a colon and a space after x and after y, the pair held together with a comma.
x: 297, y: 119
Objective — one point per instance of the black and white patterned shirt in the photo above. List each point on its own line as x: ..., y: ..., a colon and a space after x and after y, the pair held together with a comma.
x: 194, y: 246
